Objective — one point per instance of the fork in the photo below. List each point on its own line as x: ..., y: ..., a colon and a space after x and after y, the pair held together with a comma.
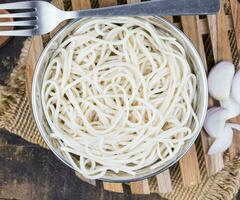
x: 40, y: 17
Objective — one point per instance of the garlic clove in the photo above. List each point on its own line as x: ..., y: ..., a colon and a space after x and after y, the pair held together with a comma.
x: 220, y: 80
x: 232, y: 106
x: 235, y: 87
x: 222, y: 143
x: 213, y: 110
x: 215, y: 121
x: 234, y: 126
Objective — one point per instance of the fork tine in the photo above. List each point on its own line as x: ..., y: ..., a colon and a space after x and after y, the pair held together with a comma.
x: 27, y: 32
x: 19, y: 23
x: 17, y: 5
x: 18, y: 15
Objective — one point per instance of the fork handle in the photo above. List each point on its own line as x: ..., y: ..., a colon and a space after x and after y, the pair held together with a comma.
x: 154, y: 7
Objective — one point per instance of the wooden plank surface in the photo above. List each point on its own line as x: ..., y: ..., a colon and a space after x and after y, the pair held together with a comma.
x: 140, y: 187
x: 81, y: 4
x: 221, y: 51
x: 106, y: 3
x: 204, y: 28
x: 214, y: 163
x: 220, y: 41
x: 190, y: 161
x: 35, y: 51
x: 34, y: 173
x: 189, y: 168
x: 219, y: 36
x: 212, y: 25
x: 133, y: 1
x: 235, y: 7
x: 164, y: 182
x: 113, y: 187
x: 235, y: 147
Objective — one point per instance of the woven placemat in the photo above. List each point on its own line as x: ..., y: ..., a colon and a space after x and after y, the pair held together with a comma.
x: 16, y: 117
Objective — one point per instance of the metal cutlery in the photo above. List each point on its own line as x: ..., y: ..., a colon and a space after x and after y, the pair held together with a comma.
x: 40, y: 17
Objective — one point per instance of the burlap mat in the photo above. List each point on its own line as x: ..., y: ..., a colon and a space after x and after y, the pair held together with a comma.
x: 16, y: 117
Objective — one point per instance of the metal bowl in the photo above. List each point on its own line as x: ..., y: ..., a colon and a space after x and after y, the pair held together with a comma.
x: 202, y: 96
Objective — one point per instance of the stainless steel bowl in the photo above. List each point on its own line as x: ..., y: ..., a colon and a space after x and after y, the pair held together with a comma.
x: 202, y: 96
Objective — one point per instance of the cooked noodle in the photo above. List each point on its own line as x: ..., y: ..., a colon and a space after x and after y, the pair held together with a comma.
x: 118, y: 95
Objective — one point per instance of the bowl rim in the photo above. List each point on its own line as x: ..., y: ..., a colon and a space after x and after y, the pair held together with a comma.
x: 201, y: 68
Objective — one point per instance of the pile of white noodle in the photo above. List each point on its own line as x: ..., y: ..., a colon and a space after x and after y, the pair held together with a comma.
x: 118, y: 95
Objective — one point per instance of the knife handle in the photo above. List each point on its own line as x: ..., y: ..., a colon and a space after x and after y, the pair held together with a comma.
x: 150, y: 8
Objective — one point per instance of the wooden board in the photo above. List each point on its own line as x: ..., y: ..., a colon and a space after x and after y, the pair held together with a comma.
x: 140, y: 187
x: 164, y: 183
x: 35, y: 50
x: 104, y: 3
x: 81, y: 4
x: 114, y: 187
x: 189, y: 161
x: 235, y: 6
x: 217, y: 27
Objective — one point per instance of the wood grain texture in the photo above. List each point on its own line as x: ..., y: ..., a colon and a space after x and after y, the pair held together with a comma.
x: 221, y: 51
x: 164, y: 182
x: 189, y: 168
x: 219, y: 36
x: 140, y: 187
x: 80, y: 4
x: 204, y: 28
x: 214, y: 163
x: 235, y: 7
x: 113, y: 187
x: 31, y: 172
x: 133, y: 1
x: 106, y: 3
x: 35, y: 50
x: 190, y: 161
x: 235, y: 147
x: 191, y: 27
x: 220, y: 40
x: 35, y: 173
x: 58, y: 3
x: 212, y: 25
x: 199, y: 44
